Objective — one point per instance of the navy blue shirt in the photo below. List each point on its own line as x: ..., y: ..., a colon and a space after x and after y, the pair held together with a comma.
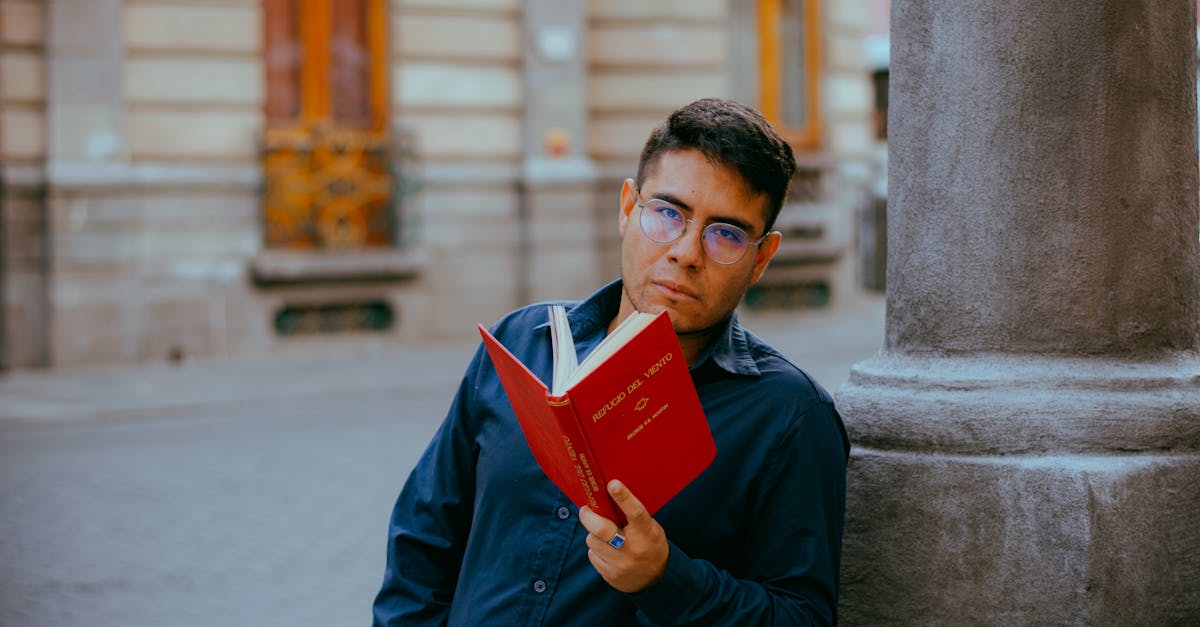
x: 480, y: 536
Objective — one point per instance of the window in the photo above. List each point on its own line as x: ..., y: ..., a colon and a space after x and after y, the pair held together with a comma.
x: 326, y: 63
x: 789, y: 69
x: 326, y: 154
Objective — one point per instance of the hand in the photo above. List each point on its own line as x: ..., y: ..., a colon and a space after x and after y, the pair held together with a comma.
x: 642, y: 559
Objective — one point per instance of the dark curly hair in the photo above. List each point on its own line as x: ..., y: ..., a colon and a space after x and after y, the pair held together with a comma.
x: 731, y: 134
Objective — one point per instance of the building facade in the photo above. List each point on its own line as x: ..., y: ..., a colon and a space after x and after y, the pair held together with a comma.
x: 220, y: 178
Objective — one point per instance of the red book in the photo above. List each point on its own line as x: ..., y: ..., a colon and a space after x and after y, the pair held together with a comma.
x: 630, y: 412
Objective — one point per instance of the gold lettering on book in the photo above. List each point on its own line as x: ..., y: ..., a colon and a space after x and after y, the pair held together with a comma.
x: 656, y: 366
x: 579, y: 470
x: 591, y: 479
x: 633, y: 385
x: 608, y: 407
x: 645, y: 423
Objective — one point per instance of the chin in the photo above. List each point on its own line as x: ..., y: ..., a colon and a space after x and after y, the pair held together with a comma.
x: 680, y: 320
x: 655, y: 308
x: 650, y: 300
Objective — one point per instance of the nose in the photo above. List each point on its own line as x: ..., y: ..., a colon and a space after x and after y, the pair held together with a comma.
x: 688, y: 250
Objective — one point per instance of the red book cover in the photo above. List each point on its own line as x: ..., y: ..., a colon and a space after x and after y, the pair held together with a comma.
x: 635, y: 417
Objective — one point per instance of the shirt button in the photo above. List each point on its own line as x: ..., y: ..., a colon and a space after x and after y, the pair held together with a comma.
x: 563, y: 513
x: 539, y: 586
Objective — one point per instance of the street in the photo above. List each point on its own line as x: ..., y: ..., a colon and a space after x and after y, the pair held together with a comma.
x: 252, y: 493
x: 269, y: 514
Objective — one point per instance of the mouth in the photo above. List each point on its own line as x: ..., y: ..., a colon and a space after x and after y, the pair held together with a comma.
x: 674, y: 291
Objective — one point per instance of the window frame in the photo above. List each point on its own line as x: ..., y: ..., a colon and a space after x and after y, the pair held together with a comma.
x: 314, y: 34
x: 806, y: 137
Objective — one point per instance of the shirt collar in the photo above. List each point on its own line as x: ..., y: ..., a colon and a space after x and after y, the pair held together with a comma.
x: 730, y: 349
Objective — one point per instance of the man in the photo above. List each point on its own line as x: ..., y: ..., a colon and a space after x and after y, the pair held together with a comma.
x: 479, y: 536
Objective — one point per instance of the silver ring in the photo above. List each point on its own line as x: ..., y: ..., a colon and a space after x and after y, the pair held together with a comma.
x: 617, y: 540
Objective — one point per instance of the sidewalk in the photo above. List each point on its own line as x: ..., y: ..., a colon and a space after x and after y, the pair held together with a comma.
x: 160, y: 390
x: 826, y: 343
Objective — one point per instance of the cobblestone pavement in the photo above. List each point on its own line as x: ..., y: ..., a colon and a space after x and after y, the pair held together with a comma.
x: 249, y: 493
x: 266, y: 505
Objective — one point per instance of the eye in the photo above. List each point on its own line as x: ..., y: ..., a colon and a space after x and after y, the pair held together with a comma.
x: 727, y: 233
x: 665, y: 210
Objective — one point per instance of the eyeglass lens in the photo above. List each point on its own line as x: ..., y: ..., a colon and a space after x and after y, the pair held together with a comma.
x: 663, y: 222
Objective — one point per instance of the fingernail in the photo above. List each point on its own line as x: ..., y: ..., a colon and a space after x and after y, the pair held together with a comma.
x: 615, y: 485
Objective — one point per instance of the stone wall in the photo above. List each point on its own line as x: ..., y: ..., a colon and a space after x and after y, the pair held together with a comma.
x: 23, y: 252
x: 644, y: 60
x: 131, y: 132
x: 152, y: 171
x: 850, y: 143
x: 460, y: 96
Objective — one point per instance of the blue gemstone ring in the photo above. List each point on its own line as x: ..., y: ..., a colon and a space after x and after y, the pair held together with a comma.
x: 618, y: 539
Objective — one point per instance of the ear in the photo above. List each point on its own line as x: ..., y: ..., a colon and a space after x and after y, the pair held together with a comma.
x: 628, y: 201
x: 766, y: 250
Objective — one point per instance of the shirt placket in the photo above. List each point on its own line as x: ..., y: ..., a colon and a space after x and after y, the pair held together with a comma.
x: 551, y: 558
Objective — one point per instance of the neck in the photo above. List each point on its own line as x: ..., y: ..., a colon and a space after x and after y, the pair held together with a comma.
x: 693, y: 343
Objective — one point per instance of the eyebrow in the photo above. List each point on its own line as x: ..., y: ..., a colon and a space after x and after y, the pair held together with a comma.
x: 741, y: 224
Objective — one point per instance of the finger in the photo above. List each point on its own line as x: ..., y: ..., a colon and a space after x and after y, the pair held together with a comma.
x: 597, y: 545
x: 635, y: 512
x: 596, y: 524
x: 602, y: 543
x: 603, y: 562
x: 598, y: 562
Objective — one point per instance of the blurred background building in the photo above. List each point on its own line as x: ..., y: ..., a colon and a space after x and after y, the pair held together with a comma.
x: 219, y: 178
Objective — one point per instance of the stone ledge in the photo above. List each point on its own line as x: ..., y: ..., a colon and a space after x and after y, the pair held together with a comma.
x: 467, y: 173
x: 996, y: 404
x: 23, y: 176
x: 1003, y: 371
x: 542, y: 172
x: 86, y: 176
x: 277, y: 267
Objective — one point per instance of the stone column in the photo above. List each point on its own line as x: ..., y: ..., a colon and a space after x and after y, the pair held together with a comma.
x: 558, y: 253
x: 1028, y: 440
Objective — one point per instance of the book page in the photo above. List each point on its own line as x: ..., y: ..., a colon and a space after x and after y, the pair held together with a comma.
x: 624, y: 332
x: 567, y: 369
x: 566, y: 360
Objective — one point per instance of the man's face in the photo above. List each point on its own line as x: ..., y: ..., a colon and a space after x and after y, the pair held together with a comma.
x: 679, y: 276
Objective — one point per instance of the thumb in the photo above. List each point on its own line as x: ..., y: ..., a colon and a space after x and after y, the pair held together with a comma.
x: 634, y: 511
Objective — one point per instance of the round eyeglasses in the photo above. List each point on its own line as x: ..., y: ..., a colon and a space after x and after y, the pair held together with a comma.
x: 664, y: 223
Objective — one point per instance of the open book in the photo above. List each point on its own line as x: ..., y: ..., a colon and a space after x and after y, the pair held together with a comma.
x: 629, y: 411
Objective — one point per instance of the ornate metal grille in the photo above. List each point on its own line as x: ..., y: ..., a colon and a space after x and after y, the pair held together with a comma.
x: 331, y: 189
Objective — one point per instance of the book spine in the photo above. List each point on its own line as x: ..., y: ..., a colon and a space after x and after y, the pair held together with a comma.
x: 587, y: 468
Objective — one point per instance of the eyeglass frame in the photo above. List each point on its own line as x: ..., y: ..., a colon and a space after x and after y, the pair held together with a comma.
x: 641, y: 205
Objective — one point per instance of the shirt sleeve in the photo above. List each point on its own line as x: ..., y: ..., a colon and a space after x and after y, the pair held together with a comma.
x: 793, y: 542
x: 431, y: 520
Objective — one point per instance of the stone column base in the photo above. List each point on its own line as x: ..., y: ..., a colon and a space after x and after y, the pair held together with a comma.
x: 958, y: 540
x: 1002, y: 489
